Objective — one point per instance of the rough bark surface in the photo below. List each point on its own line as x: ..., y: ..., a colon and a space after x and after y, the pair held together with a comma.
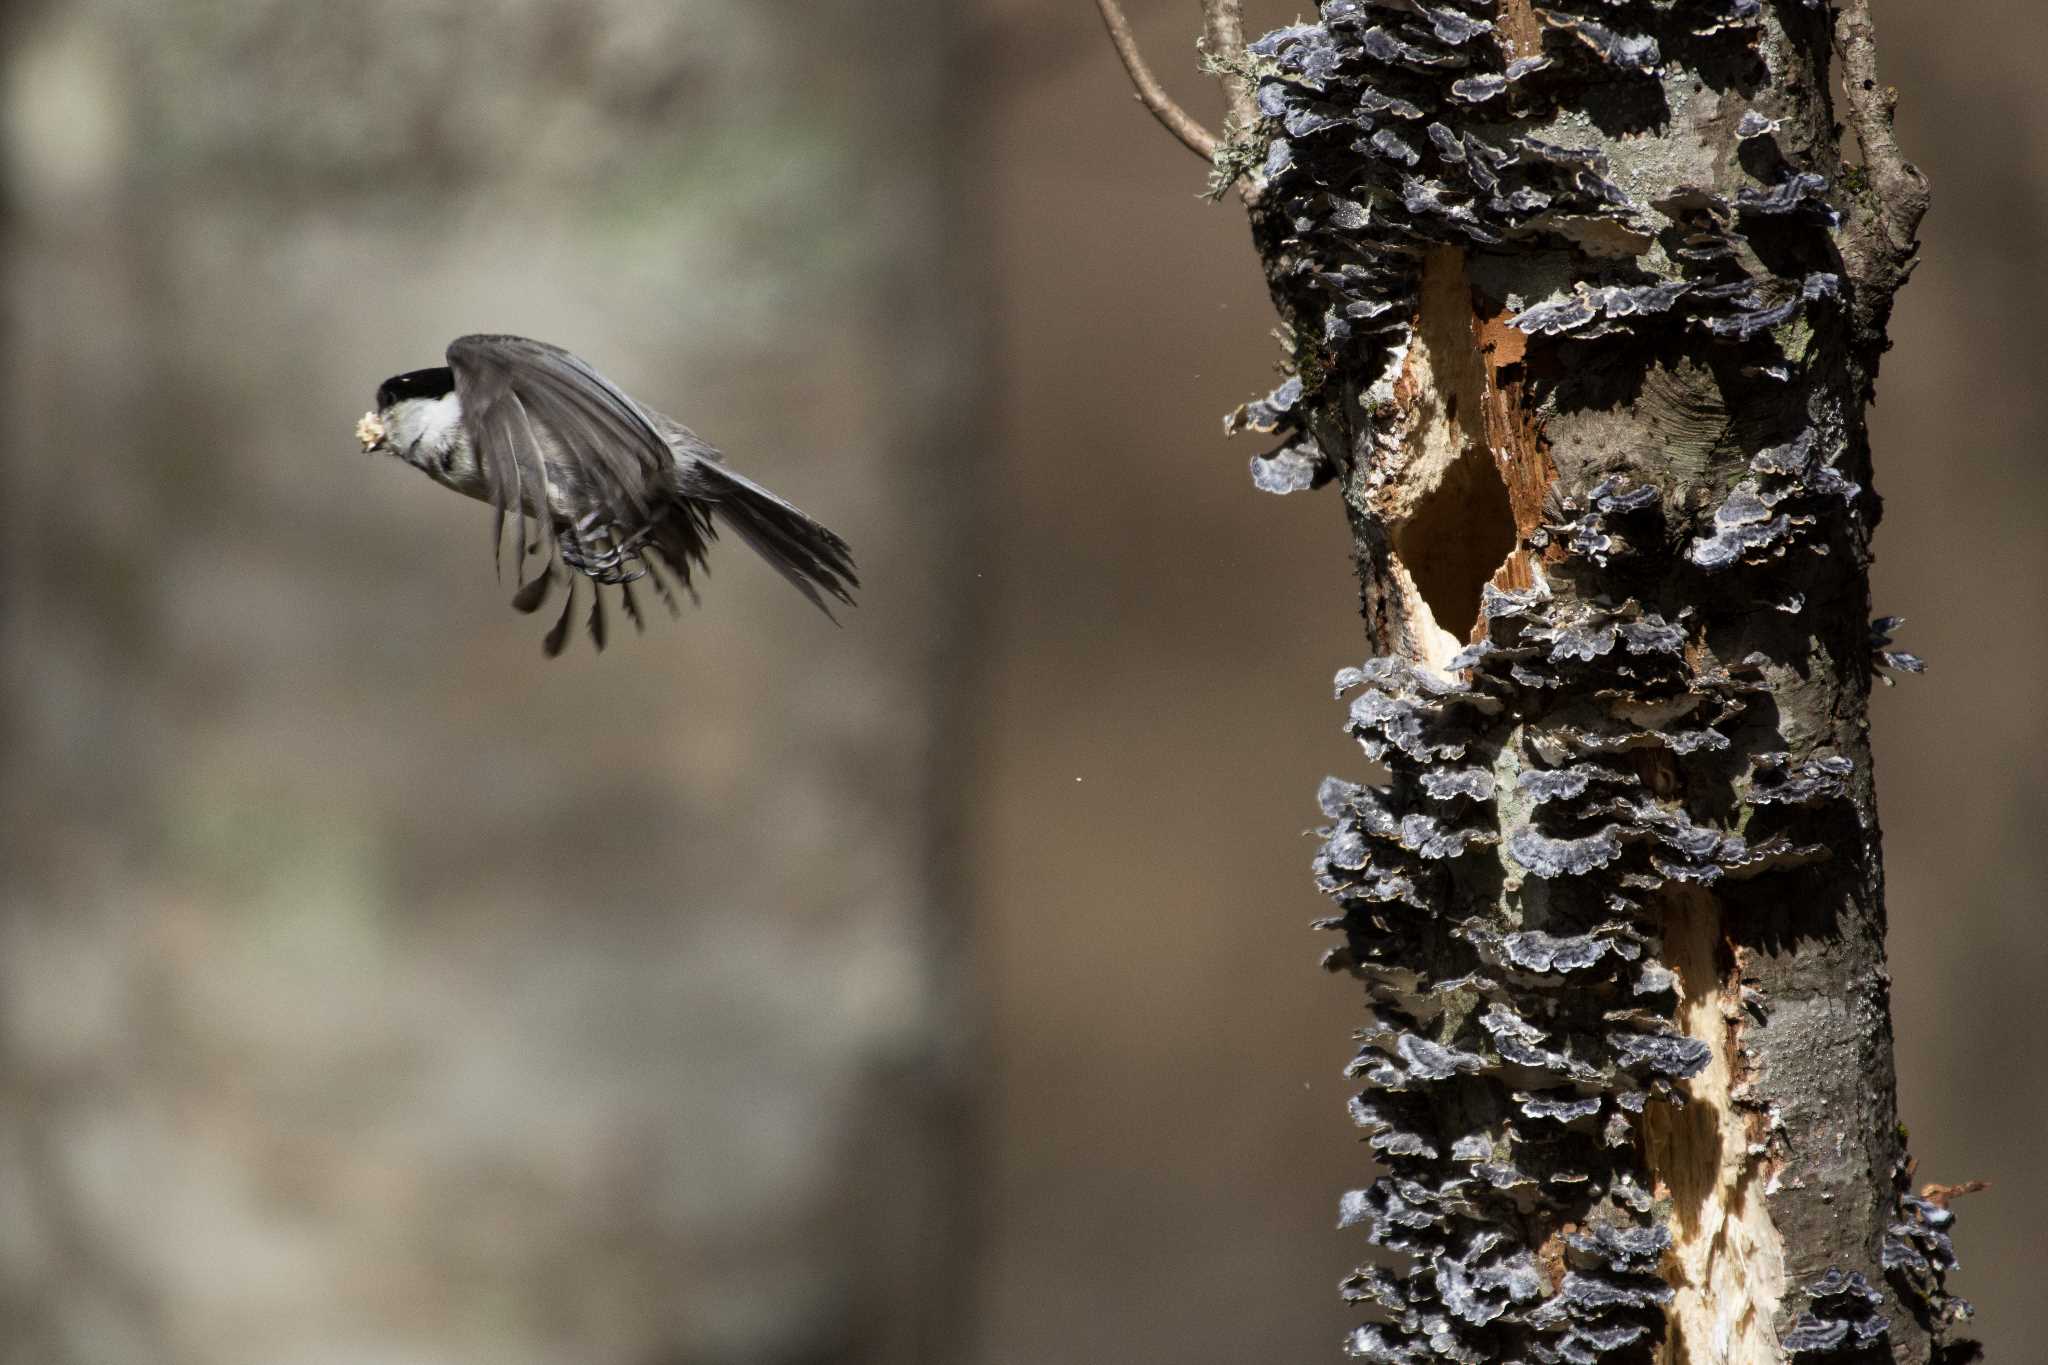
x: 1585, y: 305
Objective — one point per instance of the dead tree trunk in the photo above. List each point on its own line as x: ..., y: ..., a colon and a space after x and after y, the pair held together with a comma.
x: 1585, y: 305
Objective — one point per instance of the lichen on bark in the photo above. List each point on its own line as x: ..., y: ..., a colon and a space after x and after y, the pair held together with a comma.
x: 1584, y: 304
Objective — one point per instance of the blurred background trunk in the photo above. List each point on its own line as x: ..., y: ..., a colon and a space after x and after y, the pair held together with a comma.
x: 373, y: 992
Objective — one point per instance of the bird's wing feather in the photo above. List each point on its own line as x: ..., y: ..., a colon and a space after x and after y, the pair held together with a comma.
x: 508, y: 386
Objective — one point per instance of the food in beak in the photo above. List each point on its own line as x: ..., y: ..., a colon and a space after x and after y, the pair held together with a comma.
x: 370, y: 431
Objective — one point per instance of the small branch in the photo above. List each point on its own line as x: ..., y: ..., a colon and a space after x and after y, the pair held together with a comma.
x: 1223, y: 43
x: 1901, y: 189
x: 1941, y: 1194
x: 1177, y: 120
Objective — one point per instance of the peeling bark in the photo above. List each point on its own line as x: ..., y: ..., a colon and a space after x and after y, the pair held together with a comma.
x: 1584, y: 306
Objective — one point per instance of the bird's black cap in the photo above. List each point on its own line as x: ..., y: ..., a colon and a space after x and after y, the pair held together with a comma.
x: 434, y: 383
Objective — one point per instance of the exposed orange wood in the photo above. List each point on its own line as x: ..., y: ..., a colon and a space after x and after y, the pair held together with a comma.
x: 1520, y: 28
x: 1513, y: 432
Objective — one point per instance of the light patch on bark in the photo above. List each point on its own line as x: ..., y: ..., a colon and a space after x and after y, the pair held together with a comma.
x: 1433, y: 646
x: 1727, y: 1259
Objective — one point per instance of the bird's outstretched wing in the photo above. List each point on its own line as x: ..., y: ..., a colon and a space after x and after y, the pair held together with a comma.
x: 527, y: 403
x: 617, y: 487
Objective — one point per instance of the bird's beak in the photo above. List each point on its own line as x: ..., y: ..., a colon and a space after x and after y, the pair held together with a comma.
x: 370, y: 431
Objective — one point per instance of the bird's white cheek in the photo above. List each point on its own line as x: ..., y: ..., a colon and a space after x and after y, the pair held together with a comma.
x: 440, y: 420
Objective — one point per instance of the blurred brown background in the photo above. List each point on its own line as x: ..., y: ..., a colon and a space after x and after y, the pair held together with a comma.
x: 372, y: 990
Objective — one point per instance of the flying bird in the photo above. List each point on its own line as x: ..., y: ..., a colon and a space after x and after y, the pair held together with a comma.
x: 615, y: 492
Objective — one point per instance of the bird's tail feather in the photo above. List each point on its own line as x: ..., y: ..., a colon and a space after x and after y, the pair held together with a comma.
x: 800, y: 549
x: 683, y: 540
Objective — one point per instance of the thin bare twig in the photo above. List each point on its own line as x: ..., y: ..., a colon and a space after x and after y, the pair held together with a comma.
x: 1901, y: 189
x: 1177, y: 120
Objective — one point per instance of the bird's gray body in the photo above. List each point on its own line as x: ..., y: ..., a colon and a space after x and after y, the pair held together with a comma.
x: 609, y: 485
